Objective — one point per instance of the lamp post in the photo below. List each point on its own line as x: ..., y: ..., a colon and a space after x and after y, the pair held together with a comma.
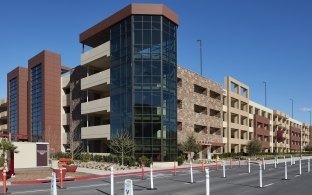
x: 265, y: 93
x: 201, y: 57
x: 292, y: 107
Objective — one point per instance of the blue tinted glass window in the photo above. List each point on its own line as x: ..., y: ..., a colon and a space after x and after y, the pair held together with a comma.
x: 36, y: 103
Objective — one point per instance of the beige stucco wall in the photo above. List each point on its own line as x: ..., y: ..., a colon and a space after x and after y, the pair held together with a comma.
x: 26, y: 156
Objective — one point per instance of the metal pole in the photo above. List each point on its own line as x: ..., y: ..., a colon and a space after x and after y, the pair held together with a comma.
x: 310, y: 117
x: 260, y: 175
x: 309, y: 165
x: 112, y: 181
x: 192, y: 180
x: 291, y: 160
x: 263, y: 162
x: 277, y: 160
x: 223, y: 164
x: 152, y: 179
x: 292, y: 107
x: 174, y: 168
x: 231, y: 163
x: 275, y: 163
x: 201, y: 57
x: 300, y: 166
x: 265, y: 93
x: 248, y: 165
x: 207, y: 182
x: 285, y: 170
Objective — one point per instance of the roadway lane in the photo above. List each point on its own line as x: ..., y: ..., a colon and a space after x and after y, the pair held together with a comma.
x: 238, y: 181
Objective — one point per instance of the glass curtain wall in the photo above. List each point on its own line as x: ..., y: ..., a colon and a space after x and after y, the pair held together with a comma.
x: 121, y: 81
x: 148, y: 87
x: 13, y: 107
x: 36, y: 103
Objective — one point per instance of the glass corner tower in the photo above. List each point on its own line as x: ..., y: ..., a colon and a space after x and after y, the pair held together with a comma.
x: 143, y: 84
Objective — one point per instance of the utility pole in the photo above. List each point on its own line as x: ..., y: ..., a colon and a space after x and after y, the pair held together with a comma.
x: 201, y: 57
x: 265, y: 93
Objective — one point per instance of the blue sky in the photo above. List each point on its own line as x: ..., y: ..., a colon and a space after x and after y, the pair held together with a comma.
x: 253, y: 41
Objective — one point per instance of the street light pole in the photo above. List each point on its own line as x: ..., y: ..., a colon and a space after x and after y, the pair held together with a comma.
x: 265, y: 93
x: 201, y: 57
x: 292, y: 107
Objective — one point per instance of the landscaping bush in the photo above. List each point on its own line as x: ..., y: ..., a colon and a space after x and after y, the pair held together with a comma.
x: 181, y: 159
x: 62, y: 155
x: 98, y: 158
x: 146, y: 161
x: 84, y: 157
x: 130, y: 161
x: 196, y: 156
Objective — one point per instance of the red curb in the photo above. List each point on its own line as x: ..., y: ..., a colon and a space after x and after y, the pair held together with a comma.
x: 39, y: 181
x: 99, y: 176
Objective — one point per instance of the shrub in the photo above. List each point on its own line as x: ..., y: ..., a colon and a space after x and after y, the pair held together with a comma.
x: 84, y: 157
x: 181, y: 159
x: 146, y: 161
x: 196, y: 156
x: 98, y: 158
x: 129, y: 161
x: 254, y: 147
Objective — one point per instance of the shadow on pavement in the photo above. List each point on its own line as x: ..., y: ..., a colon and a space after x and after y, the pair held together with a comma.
x: 102, y: 191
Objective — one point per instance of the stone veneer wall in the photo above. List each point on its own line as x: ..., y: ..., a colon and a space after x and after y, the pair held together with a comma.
x: 77, y: 96
x: 188, y: 117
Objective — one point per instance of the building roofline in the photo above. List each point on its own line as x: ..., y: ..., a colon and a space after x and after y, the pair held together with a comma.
x: 91, y: 36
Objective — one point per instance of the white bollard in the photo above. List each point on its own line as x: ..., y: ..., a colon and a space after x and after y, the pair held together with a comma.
x: 300, y: 166
x: 285, y: 170
x: 191, y: 168
x: 260, y: 175
x: 223, y: 164
x: 53, y: 184
x: 248, y: 165
x: 152, y: 179
x: 207, y: 182
x: 112, y: 181
x: 128, y: 187
x: 309, y: 165
x: 294, y: 161
x: 263, y: 163
x: 275, y: 162
x: 291, y: 160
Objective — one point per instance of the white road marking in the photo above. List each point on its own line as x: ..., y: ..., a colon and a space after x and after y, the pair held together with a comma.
x: 268, y: 185
x: 31, y: 191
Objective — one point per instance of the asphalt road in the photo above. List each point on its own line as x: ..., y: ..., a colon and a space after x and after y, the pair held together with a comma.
x: 237, y: 181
